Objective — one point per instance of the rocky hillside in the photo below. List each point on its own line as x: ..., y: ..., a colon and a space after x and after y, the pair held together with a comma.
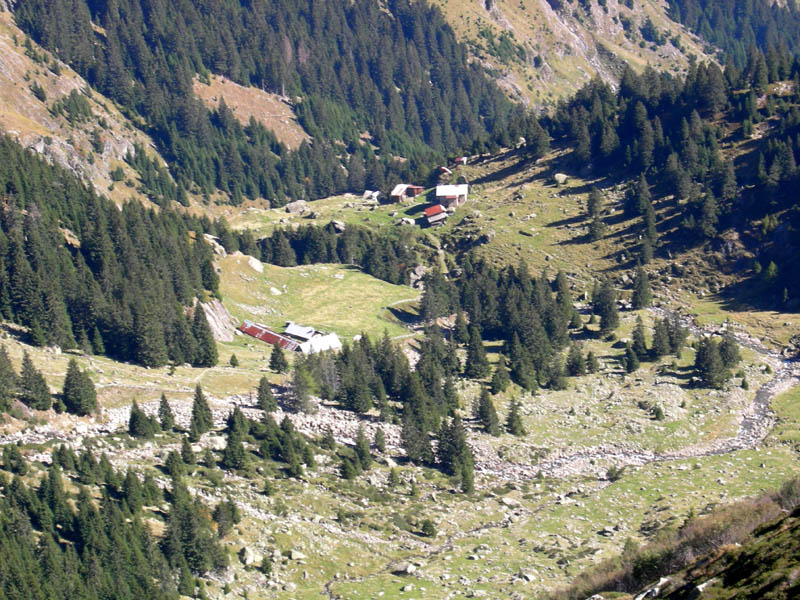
x: 543, y: 50
x: 84, y: 132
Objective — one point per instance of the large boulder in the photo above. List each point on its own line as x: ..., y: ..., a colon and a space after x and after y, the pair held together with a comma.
x: 249, y: 557
x: 297, y: 207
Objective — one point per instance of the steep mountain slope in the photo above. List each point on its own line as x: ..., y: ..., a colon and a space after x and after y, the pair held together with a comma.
x: 543, y: 50
x: 89, y: 135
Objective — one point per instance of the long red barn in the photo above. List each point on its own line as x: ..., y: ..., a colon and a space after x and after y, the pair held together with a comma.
x: 265, y: 334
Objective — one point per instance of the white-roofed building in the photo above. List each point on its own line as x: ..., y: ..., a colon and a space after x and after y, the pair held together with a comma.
x: 299, y: 331
x: 321, y: 343
x: 451, y: 196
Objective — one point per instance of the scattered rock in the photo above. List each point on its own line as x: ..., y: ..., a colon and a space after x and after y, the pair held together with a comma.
x: 510, y: 502
x: 255, y: 264
x: 405, y: 568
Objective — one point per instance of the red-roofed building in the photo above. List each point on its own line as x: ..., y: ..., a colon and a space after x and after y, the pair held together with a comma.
x: 436, y: 215
x: 266, y: 335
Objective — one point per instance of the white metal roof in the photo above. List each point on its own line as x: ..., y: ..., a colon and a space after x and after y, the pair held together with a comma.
x: 321, y: 343
x: 299, y: 331
x: 399, y: 189
x: 452, y: 190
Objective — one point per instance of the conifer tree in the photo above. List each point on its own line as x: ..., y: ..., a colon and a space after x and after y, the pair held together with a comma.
x: 234, y: 455
x: 729, y: 350
x: 347, y: 469
x: 150, y: 348
x: 362, y: 450
x: 380, y: 440
x: 522, y: 369
x: 174, y: 465
x: 631, y: 359
x: 605, y: 305
x: 660, y: 339
x: 576, y: 365
x: 592, y: 364
x: 501, y: 378
x: 139, y: 424
x: 166, y: 417
x: 299, y: 397
x: 13, y: 461
x: 79, y: 393
x: 461, y: 332
x: 277, y: 360
x: 639, y: 343
x: 266, y: 400
x: 477, y: 365
x: 677, y: 335
x: 642, y: 296
x: 202, y: 419
x: 514, y: 424
x: 132, y: 492
x: 187, y: 453
x: 206, y: 345
x: 34, y: 391
x: 454, y: 454
x: 415, y: 440
x: 487, y: 414
x: 708, y: 365
x: 234, y: 362
x: 8, y: 379
x: 556, y: 373
x: 98, y: 346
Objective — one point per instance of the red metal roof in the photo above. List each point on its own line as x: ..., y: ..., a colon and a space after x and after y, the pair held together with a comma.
x: 265, y: 334
x: 434, y: 210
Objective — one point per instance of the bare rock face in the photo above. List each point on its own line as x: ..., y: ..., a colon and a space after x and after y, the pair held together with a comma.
x: 297, y: 207
x: 212, y: 241
x: 220, y: 320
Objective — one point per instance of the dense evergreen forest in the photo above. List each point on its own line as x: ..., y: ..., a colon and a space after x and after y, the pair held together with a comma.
x: 79, y: 272
x: 387, y: 258
x: 667, y: 136
x: 738, y: 27
x: 352, y: 67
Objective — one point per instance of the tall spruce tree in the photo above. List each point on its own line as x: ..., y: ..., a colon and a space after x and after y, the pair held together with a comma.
x: 202, y: 419
x: 207, y: 355
x: 514, y: 424
x: 477, y: 365
x: 639, y: 343
x: 729, y: 350
x: 139, y: 424
x: 362, y: 449
x: 642, y: 296
x: 631, y: 359
x: 79, y: 393
x: 266, y: 400
x: 8, y: 379
x: 33, y: 389
x: 454, y: 454
x: 501, y: 378
x: 576, y: 364
x: 166, y: 417
x: 708, y: 365
x: 277, y: 360
x: 487, y: 414
x: 660, y: 339
x: 605, y: 305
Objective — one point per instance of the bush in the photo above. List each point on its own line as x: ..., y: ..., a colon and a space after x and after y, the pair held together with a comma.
x: 614, y: 473
x: 428, y: 528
